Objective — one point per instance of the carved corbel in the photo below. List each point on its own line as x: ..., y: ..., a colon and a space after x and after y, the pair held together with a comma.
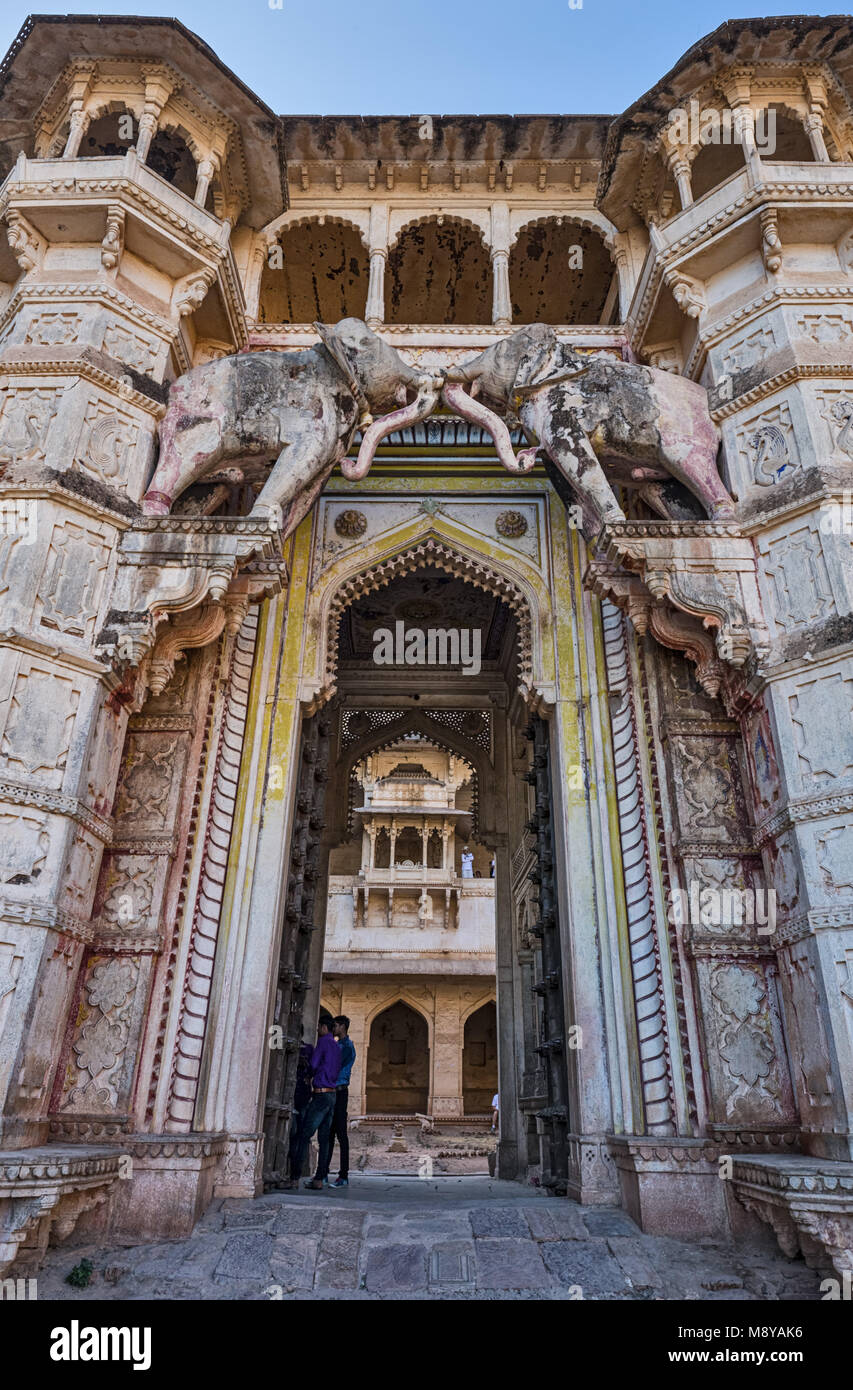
x: 28, y: 247
x: 185, y: 630
x: 681, y: 633
x: 686, y: 293
x: 693, y: 585
x: 191, y: 292
x: 771, y: 245
x: 113, y: 242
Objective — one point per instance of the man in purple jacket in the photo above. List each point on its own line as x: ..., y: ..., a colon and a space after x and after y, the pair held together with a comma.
x: 325, y: 1065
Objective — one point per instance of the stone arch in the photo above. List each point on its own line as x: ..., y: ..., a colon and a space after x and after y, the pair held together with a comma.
x: 439, y: 271
x: 523, y: 593
x: 323, y: 273
x: 175, y: 156
x: 489, y: 997
x: 420, y: 1097
x: 479, y: 1078
x: 420, y: 218
x: 320, y: 219
x: 712, y: 164
x: 792, y: 141
x: 561, y: 270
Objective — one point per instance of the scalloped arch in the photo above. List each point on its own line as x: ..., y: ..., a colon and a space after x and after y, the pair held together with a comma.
x: 441, y: 218
x: 583, y: 218
x: 321, y: 219
x: 437, y: 554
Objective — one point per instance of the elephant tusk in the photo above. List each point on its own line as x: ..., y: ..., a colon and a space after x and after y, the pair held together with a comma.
x: 460, y: 401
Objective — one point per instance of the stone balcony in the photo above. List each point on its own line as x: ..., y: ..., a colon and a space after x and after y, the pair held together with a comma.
x: 70, y: 201
x: 732, y: 221
x: 388, y: 937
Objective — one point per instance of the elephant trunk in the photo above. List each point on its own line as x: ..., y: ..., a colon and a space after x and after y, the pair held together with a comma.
x: 458, y: 400
x: 425, y: 401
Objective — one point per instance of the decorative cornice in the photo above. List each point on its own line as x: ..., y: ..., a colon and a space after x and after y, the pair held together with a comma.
x: 81, y: 366
x: 803, y: 809
x: 800, y: 371
x: 25, y: 794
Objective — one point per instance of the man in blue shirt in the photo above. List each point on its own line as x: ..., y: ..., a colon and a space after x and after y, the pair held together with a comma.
x: 339, y: 1130
x: 325, y: 1066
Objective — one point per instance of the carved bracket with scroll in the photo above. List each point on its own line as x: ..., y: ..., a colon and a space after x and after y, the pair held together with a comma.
x: 694, y: 586
x: 180, y: 581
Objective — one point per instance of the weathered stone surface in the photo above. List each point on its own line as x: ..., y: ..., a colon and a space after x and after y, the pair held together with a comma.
x: 245, y: 1257
x: 609, y: 1223
x: 498, y: 1221
x: 396, y: 1267
x: 337, y: 1263
x: 509, y: 1264
x: 564, y: 1222
x: 587, y: 1266
x: 292, y: 1261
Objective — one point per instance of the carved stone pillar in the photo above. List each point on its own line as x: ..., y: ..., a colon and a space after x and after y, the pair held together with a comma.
x: 501, y: 298
x: 374, y: 313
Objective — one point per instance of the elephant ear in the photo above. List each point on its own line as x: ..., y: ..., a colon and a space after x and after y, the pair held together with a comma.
x: 539, y: 359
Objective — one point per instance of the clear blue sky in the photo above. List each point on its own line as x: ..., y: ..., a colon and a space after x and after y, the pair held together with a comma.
x: 401, y: 57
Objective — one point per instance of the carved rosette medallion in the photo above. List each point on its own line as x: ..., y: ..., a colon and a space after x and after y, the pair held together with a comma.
x: 351, y: 524
x: 511, y: 525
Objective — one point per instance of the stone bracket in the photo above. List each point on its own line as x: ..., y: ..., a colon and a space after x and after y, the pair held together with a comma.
x: 182, y: 580
x: 44, y: 1191
x: 694, y: 586
x: 807, y: 1201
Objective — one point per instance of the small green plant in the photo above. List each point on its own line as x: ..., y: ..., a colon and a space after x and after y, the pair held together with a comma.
x: 81, y: 1275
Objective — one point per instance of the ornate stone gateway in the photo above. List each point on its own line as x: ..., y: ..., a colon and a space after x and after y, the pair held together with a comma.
x: 255, y: 394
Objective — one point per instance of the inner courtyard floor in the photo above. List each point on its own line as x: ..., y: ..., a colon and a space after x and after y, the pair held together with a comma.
x: 400, y: 1237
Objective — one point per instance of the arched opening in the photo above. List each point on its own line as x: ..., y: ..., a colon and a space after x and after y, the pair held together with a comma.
x: 561, y: 272
x: 480, y: 1059
x: 713, y: 165
x: 782, y: 136
x: 398, y: 1062
x: 317, y: 272
x: 171, y: 157
x: 110, y: 134
x: 439, y: 272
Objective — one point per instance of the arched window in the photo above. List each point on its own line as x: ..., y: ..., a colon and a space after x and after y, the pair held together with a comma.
x: 782, y: 136
x: 316, y: 273
x: 480, y: 1060
x: 171, y: 157
x: 714, y: 163
x: 110, y: 134
x: 439, y: 272
x: 561, y: 272
x: 398, y: 1063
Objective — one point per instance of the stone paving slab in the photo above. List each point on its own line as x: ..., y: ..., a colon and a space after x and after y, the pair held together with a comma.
x: 464, y: 1240
x: 509, y: 1264
x: 396, y: 1267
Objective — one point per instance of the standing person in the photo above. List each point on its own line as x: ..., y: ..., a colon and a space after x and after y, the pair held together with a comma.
x: 325, y: 1065
x: 496, y: 1112
x: 346, y: 1048
x: 467, y: 863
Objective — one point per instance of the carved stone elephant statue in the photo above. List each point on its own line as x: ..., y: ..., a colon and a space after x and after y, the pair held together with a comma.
x: 594, y: 412
x: 299, y: 409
